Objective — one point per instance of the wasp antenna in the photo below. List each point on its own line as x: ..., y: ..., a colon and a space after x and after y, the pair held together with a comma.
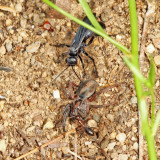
x: 76, y: 74
x: 60, y: 74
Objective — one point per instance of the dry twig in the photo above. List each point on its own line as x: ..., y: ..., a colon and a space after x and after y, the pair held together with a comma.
x: 44, y: 145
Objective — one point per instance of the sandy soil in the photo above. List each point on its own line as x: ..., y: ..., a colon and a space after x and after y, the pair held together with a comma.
x: 31, y: 113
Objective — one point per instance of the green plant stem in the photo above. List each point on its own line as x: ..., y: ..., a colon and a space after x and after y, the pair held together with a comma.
x: 139, y: 90
x: 156, y: 124
x: 90, y: 15
x: 152, y: 106
x: 104, y: 35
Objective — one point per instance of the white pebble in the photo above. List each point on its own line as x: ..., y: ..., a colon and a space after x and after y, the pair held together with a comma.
x: 56, y: 94
x: 92, y: 123
x: 9, y: 47
x: 122, y: 157
x: 33, y: 47
x: 3, y: 146
x: 156, y: 42
x: 30, y: 129
x: 110, y: 117
x: 150, y: 48
x: 157, y: 60
x: 157, y: 83
x: 134, y: 100
x: 87, y: 143
x: 23, y: 23
x: 121, y: 137
x: 8, y: 22
x: 2, y: 50
x: 118, y: 37
x: 48, y: 124
x: 111, y: 146
x: 18, y: 7
x: 113, y: 135
x: 135, y: 146
x: 1, y: 105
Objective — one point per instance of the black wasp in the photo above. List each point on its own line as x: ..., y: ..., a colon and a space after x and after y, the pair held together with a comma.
x: 78, y: 45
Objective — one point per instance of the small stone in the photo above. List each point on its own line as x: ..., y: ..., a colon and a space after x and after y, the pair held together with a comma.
x: 48, y: 124
x: 23, y: 23
x: 65, y: 150
x: 87, y: 143
x: 105, y: 143
x: 8, y: 22
x: 134, y: 100
x: 157, y: 60
x: 96, y: 117
x: 36, y: 18
x: 110, y: 117
x: 121, y: 137
x: 122, y: 157
x: 18, y: 7
x: 36, y: 123
x: 1, y: 105
x: 118, y: 38
x: 150, y: 48
x: 156, y: 42
x: 92, y: 123
x: 56, y: 94
x: 3, y: 146
x: 111, y: 146
x: 113, y: 135
x: 157, y: 83
x: 135, y: 146
x: 30, y: 129
x: 33, y: 47
x: 2, y: 50
x: 9, y: 47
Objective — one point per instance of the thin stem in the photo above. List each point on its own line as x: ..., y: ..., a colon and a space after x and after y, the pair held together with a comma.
x: 152, y: 106
x: 138, y: 85
x: 104, y: 35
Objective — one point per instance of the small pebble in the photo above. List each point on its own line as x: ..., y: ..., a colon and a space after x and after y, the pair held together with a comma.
x: 113, y: 135
x: 9, y: 47
x: 105, y: 143
x: 2, y: 50
x: 36, y: 18
x: 122, y: 157
x: 33, y: 47
x: 23, y: 23
x: 8, y: 22
x: 157, y: 83
x: 56, y: 94
x: 18, y: 7
x: 30, y: 129
x: 134, y: 100
x: 135, y: 146
x: 96, y: 117
x: 3, y: 146
x: 110, y: 117
x: 92, y: 123
x: 150, y: 48
x: 156, y: 42
x: 118, y: 38
x: 1, y: 105
x: 48, y: 124
x: 111, y: 146
x: 157, y: 60
x: 121, y: 137
x: 87, y: 143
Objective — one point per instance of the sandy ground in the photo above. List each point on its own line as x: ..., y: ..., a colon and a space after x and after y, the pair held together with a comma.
x: 31, y: 113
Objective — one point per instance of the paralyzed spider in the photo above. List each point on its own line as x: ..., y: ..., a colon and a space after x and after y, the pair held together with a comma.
x: 79, y: 108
